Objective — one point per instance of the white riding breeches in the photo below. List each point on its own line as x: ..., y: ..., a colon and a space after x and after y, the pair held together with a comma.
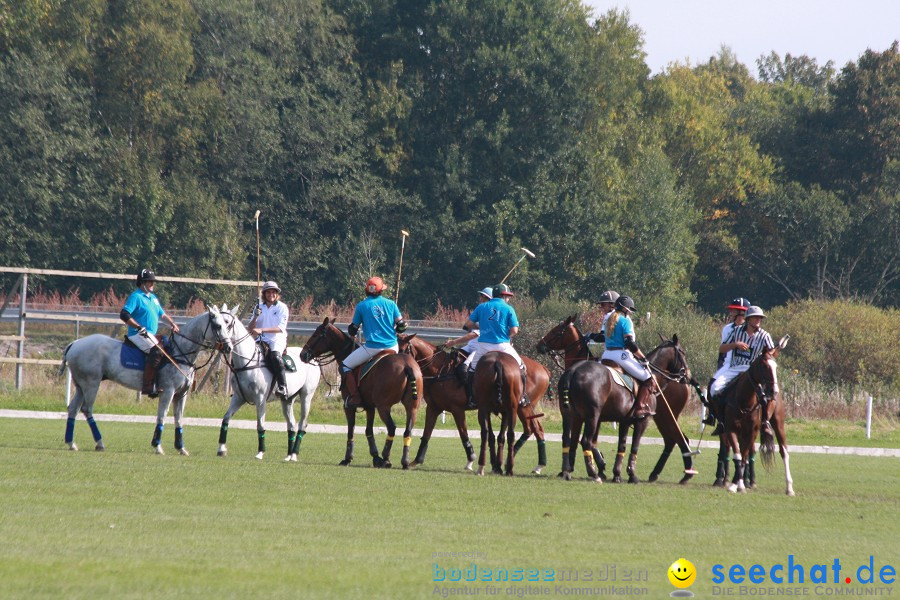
x: 361, y: 355
x: 626, y: 360
x: 723, y: 377
x: 485, y: 347
x: 144, y: 344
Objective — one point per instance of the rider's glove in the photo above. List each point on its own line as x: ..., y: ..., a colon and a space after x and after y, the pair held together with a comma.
x: 142, y: 332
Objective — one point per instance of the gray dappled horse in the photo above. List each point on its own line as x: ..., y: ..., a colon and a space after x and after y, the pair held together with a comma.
x: 253, y: 383
x: 96, y: 357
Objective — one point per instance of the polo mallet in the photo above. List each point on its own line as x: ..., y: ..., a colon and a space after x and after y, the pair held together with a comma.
x: 674, y: 420
x: 171, y: 360
x: 527, y: 254
x: 258, y: 292
x: 400, y: 268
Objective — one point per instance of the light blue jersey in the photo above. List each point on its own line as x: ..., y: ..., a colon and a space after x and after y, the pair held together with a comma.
x: 145, y: 309
x: 494, y: 318
x: 377, y: 316
x: 624, y: 327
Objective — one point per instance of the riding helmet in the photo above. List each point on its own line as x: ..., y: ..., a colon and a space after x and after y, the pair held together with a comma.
x: 270, y: 285
x: 625, y: 304
x: 755, y: 311
x: 739, y: 304
x: 501, y: 289
x: 487, y: 292
x: 375, y: 285
x: 608, y: 296
x: 146, y: 275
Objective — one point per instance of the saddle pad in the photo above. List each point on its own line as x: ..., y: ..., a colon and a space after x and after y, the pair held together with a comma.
x: 623, y: 379
x: 289, y: 364
x: 367, y: 366
x: 131, y: 357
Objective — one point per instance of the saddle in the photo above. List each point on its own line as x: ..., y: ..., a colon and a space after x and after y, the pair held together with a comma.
x: 289, y: 365
x: 132, y: 357
x: 363, y: 369
x: 621, y: 377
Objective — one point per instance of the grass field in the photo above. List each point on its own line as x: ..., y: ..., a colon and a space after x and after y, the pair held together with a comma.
x: 129, y: 524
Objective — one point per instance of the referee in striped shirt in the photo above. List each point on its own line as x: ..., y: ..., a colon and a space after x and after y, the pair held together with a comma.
x: 746, y: 343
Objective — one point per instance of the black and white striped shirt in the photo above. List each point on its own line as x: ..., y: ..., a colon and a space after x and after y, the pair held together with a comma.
x: 759, y: 342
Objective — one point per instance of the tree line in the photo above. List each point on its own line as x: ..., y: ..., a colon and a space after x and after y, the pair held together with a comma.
x: 147, y: 133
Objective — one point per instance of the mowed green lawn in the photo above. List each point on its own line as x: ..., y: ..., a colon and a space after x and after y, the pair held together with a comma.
x: 129, y: 524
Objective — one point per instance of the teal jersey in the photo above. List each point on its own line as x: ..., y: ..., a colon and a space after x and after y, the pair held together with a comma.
x: 494, y: 318
x: 624, y: 327
x: 377, y: 316
x: 145, y: 309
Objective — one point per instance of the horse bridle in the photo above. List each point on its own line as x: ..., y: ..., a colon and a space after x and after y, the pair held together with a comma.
x: 556, y: 354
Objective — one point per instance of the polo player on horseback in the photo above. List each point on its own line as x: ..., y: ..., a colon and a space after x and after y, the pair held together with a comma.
x: 381, y: 321
x: 142, y: 312
x: 497, y: 324
x: 737, y: 308
x: 593, y: 341
x: 745, y: 344
x: 269, y: 327
x: 470, y: 347
x: 622, y: 349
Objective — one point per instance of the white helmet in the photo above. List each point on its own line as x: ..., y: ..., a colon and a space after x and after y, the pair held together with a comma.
x: 755, y: 311
x: 271, y: 285
x: 487, y: 292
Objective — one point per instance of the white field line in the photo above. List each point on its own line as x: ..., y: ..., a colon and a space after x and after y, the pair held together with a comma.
x: 278, y: 425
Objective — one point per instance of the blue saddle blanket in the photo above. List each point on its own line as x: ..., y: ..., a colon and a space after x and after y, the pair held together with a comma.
x: 132, y: 358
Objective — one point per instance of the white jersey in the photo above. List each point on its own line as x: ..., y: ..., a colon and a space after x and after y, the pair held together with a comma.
x: 274, y: 316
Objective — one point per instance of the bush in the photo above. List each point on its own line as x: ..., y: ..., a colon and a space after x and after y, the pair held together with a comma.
x: 840, y: 342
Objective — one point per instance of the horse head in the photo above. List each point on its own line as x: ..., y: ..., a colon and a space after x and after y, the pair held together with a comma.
x: 326, y: 339
x: 412, y: 345
x: 763, y: 371
x: 221, y: 324
x: 561, y: 338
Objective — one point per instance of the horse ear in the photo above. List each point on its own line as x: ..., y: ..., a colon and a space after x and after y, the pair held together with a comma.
x: 325, y: 322
x: 411, y: 336
x: 236, y: 309
x: 675, y: 338
x: 225, y: 307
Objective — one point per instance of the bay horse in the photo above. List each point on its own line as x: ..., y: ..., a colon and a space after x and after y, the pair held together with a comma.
x: 595, y: 397
x: 566, y: 339
x: 743, y: 418
x: 395, y: 378
x: 445, y: 392
x: 497, y: 386
x: 253, y: 383
x: 96, y: 357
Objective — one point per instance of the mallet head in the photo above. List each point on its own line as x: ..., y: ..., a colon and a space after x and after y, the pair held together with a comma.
x: 528, y: 252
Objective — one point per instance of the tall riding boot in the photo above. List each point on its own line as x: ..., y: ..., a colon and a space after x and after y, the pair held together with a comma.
x: 462, y: 373
x: 642, y: 406
x: 470, y: 392
x: 151, y: 365
x: 524, y: 401
x: 279, y: 372
x: 351, y: 386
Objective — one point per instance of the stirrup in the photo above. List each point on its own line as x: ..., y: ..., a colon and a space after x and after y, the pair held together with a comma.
x: 719, y: 430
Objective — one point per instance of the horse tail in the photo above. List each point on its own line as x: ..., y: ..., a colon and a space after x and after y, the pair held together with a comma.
x: 412, y: 386
x: 767, y: 448
x: 498, y: 381
x: 62, y: 365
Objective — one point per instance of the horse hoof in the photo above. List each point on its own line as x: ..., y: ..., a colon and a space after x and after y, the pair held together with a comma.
x: 790, y: 493
x: 222, y: 453
x: 386, y: 464
x: 633, y: 479
x: 287, y: 458
x: 377, y: 461
x: 294, y: 457
x: 566, y: 475
x: 537, y: 470
x: 685, y: 479
x: 617, y: 479
x: 259, y: 455
x: 469, y: 465
x: 480, y: 472
x: 100, y: 447
x: 733, y: 488
x: 73, y: 447
x: 344, y: 462
x: 652, y: 478
x: 597, y: 480
x: 414, y: 464
x: 183, y: 452
x: 159, y: 450
x: 719, y: 483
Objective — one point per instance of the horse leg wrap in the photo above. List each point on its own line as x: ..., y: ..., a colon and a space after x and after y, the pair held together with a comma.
x: 223, y: 432
x: 261, y: 436
x: 373, y: 449
x: 388, y: 444
x: 632, y: 463
x: 348, y: 454
x: 566, y: 467
x: 589, y: 464
x: 470, y: 450
x: 542, y: 453
x: 157, y: 435
x: 520, y: 442
x: 297, y: 441
x: 179, y: 438
x: 70, y: 430
x: 95, y: 431
x: 598, y: 458
x: 750, y: 471
x: 292, y: 439
x: 423, y: 448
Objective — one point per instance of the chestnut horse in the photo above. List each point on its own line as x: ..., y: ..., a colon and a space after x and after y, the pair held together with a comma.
x: 565, y: 338
x: 445, y: 392
x: 595, y: 397
x: 743, y: 417
x: 498, y: 386
x: 396, y: 378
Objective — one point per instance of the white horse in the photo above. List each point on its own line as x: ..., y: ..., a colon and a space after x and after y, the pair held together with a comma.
x: 253, y: 383
x: 96, y: 357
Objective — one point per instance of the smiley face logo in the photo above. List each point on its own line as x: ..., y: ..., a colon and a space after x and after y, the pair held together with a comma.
x: 682, y: 573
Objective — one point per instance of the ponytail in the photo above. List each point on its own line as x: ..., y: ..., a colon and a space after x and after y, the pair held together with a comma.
x: 611, y: 323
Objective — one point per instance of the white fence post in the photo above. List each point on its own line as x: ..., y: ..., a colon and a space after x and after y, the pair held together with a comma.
x: 20, y: 373
x: 869, y: 418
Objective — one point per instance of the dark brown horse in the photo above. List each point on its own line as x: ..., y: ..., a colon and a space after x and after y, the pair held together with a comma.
x: 743, y: 417
x: 445, y: 392
x: 498, y: 386
x: 394, y: 379
x: 565, y: 338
